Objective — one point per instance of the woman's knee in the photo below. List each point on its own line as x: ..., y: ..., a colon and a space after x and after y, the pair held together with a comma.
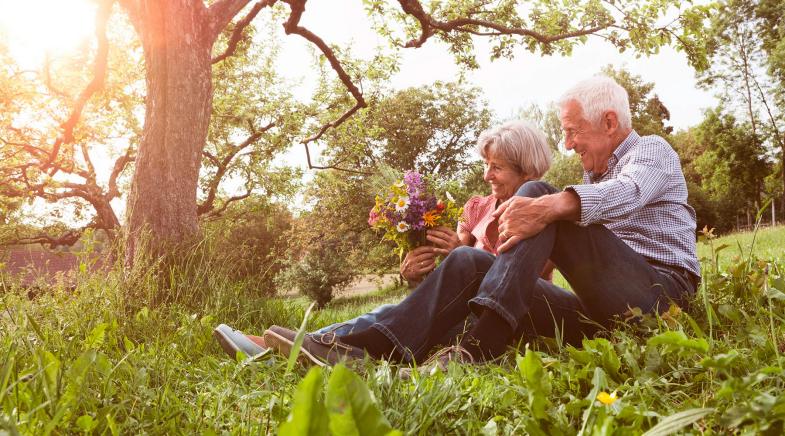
x: 535, y: 188
x: 465, y: 257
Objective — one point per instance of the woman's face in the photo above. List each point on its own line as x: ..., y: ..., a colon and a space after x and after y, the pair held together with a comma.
x: 503, y: 176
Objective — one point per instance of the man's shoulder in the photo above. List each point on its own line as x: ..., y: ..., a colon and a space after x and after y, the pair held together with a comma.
x: 654, y: 146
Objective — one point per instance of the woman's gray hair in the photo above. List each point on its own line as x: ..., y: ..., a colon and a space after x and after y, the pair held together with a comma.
x: 520, y: 143
x: 598, y: 95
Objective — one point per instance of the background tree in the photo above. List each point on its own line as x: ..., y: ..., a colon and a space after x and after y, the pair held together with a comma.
x: 649, y: 114
x: 178, y: 41
x: 732, y: 167
x: 744, y: 68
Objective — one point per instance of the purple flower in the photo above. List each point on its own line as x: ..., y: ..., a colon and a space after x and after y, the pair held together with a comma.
x: 414, y: 183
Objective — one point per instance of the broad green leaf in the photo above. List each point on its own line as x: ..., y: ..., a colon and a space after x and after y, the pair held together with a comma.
x: 677, y: 341
x: 308, y: 415
x: 351, y: 407
x: 86, y: 423
x: 537, y: 383
x: 677, y: 421
x: 96, y: 337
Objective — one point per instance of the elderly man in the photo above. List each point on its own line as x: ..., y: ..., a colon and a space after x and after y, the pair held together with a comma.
x: 624, y: 238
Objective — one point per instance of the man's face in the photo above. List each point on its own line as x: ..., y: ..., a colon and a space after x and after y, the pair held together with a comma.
x: 592, y: 143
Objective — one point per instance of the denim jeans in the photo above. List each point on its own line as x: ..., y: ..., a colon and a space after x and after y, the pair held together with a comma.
x: 366, y: 320
x: 606, y: 275
x: 360, y: 323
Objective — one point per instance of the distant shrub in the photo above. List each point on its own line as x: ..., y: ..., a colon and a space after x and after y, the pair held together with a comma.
x: 318, y: 274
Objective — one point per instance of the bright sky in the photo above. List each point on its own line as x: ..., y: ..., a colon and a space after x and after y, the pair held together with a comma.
x: 34, y: 28
x: 507, y: 85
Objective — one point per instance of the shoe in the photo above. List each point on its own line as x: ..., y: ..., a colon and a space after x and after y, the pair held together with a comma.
x: 232, y: 341
x: 440, y: 361
x: 316, y: 349
x: 280, y: 339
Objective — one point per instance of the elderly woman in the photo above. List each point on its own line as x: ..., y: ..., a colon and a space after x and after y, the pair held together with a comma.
x: 514, y: 153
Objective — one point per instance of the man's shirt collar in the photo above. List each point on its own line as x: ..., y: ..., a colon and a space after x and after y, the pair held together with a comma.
x: 616, y: 156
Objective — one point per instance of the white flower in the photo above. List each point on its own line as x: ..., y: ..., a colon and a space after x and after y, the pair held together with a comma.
x: 449, y: 196
x: 402, y: 204
x: 402, y: 226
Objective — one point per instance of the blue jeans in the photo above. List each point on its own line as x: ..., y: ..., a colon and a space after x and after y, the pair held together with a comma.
x: 607, y: 277
x: 360, y: 323
x: 366, y: 320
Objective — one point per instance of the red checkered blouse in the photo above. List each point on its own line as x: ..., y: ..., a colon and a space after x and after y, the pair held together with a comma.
x: 478, y: 220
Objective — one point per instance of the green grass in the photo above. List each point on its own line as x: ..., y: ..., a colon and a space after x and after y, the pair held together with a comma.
x: 108, y: 358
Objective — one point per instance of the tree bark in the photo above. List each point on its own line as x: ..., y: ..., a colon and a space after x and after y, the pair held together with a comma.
x: 177, y: 41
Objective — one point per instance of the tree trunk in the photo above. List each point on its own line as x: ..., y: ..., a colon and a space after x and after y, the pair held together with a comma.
x: 162, y: 200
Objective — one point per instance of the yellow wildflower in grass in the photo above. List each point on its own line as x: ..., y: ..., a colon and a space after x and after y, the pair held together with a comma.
x: 606, y: 398
x: 430, y: 218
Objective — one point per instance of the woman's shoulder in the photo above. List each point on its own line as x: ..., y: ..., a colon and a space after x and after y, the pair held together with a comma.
x: 479, y: 201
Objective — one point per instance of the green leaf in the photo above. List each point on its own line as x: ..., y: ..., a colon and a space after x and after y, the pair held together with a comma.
x: 677, y: 421
x: 308, y: 415
x: 351, y: 407
x: 86, y: 423
x: 539, y: 388
x: 96, y: 337
x: 678, y: 341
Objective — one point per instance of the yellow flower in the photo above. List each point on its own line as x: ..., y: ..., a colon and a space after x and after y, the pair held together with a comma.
x: 606, y: 398
x: 430, y: 218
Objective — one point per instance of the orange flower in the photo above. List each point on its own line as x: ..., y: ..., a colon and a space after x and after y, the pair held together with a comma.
x: 430, y: 218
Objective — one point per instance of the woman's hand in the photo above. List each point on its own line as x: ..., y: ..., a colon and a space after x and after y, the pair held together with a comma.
x: 444, y: 240
x: 418, y: 262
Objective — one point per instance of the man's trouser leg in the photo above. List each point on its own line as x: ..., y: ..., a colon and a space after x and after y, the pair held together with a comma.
x: 606, y: 275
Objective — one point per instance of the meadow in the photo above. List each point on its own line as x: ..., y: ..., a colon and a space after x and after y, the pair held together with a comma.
x: 110, y: 358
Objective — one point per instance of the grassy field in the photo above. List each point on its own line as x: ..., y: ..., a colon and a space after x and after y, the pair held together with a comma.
x: 109, y: 358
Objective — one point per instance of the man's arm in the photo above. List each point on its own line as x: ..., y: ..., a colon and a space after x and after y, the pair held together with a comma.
x: 523, y: 217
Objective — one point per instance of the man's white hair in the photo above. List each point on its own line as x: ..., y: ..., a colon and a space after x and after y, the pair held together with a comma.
x: 598, y: 95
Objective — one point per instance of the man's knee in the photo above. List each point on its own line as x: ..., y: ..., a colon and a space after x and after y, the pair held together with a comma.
x: 535, y: 188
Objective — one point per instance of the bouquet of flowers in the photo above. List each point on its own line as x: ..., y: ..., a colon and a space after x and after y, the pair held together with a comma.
x: 409, y: 208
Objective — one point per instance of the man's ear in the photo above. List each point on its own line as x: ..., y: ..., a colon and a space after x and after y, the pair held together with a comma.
x: 610, y: 122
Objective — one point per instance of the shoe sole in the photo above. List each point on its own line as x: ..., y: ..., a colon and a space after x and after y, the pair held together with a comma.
x: 284, y: 346
x: 227, y: 345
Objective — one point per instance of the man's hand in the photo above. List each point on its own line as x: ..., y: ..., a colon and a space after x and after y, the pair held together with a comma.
x: 444, y: 240
x: 418, y: 262
x: 523, y: 217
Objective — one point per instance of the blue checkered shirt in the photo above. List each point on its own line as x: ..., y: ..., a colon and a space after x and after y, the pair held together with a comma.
x: 642, y: 199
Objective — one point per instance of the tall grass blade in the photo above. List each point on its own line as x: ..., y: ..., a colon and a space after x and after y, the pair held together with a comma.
x: 677, y: 421
x: 298, y: 340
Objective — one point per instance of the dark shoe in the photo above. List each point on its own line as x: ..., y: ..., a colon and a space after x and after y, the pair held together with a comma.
x: 280, y: 339
x: 327, y: 349
x: 440, y: 361
x: 316, y: 349
x: 233, y: 341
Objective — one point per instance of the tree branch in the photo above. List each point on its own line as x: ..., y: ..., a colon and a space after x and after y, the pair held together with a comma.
x: 220, y: 14
x: 119, y: 166
x: 237, y: 34
x: 68, y: 239
x: 429, y: 25
x: 99, y: 76
x: 291, y: 26
x: 213, y: 213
